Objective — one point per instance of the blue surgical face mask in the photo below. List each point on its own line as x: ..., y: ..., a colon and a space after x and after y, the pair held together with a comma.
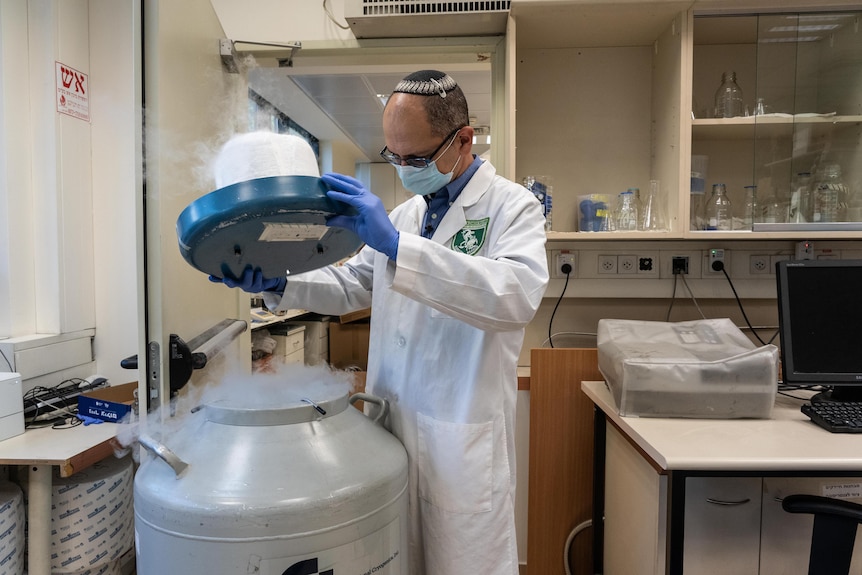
x: 427, y: 180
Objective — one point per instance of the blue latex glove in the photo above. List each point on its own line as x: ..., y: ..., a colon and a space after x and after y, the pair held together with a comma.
x: 372, y: 223
x: 252, y: 281
x: 89, y: 420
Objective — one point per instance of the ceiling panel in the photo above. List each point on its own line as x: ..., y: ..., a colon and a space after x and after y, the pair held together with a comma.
x: 351, y: 104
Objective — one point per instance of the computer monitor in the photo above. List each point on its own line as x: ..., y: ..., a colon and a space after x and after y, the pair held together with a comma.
x: 820, y: 324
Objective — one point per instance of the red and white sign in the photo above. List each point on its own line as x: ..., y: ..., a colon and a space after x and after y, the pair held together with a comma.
x: 73, y: 92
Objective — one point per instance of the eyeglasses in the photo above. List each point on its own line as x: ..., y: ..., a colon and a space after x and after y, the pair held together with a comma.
x: 397, y: 160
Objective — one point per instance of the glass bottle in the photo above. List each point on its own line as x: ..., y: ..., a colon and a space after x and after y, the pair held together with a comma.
x: 728, y: 97
x: 749, y: 208
x: 718, y: 212
x: 628, y: 213
x: 652, y: 216
x: 771, y: 210
x: 829, y: 195
x: 800, y: 199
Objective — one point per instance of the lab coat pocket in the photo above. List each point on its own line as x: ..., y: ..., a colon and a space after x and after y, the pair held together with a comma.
x: 455, y: 464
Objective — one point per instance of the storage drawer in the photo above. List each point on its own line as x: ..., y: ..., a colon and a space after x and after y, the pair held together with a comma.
x: 289, y: 339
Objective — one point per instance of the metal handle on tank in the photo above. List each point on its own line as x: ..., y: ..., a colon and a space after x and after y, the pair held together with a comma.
x: 381, y: 403
x: 162, y: 452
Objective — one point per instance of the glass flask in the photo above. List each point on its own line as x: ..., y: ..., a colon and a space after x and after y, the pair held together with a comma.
x: 652, y: 210
x: 628, y: 211
x: 718, y: 212
x: 728, y: 97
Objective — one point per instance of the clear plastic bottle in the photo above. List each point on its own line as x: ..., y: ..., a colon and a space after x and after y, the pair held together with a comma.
x: 728, y: 97
x: 830, y: 196
x: 628, y: 212
x: 543, y: 190
x: 749, y: 209
x: 696, y: 211
x: 719, y: 215
x: 652, y: 212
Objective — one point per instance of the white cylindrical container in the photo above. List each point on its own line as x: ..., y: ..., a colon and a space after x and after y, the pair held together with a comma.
x: 92, y: 518
x: 299, y: 486
x: 11, y: 529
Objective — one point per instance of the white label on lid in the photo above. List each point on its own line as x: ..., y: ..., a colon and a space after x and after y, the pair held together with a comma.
x: 280, y: 232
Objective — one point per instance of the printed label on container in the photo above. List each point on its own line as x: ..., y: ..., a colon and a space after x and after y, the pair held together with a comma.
x: 842, y: 490
x: 277, y: 232
x: 375, y: 554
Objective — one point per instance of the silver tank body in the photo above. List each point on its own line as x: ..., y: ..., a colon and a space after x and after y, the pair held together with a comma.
x: 276, y: 490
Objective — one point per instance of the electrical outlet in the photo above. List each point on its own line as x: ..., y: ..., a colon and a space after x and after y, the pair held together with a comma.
x: 716, y: 261
x: 759, y: 265
x: 805, y: 250
x: 692, y: 259
x: 607, y: 264
x: 679, y: 265
x: 564, y: 260
x: 627, y: 264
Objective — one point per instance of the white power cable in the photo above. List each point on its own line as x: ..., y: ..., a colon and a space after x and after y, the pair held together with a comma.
x: 567, y: 547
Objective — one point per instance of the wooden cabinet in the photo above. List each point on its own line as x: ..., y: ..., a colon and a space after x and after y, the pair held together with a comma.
x: 613, y: 95
x: 561, y: 460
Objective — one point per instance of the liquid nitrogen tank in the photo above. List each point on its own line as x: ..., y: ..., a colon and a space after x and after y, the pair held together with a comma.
x: 310, y: 486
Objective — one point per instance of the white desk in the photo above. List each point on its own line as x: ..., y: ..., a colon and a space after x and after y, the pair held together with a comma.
x: 787, y: 444
x: 72, y: 450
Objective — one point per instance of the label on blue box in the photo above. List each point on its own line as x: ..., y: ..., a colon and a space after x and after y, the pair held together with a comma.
x: 101, y: 409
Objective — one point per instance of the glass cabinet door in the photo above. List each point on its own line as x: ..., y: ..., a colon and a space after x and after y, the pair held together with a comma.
x: 777, y: 114
x: 807, y: 108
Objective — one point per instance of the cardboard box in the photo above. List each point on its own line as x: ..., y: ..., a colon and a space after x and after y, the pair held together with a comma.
x: 108, y: 403
x: 348, y: 345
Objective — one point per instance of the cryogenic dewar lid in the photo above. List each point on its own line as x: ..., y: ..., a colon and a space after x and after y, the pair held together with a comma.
x: 277, y: 224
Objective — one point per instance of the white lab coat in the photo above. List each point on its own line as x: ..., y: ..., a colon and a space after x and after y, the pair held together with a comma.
x: 446, y: 332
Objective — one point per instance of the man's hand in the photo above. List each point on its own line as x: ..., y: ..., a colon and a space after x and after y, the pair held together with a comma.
x: 372, y: 224
x: 252, y: 281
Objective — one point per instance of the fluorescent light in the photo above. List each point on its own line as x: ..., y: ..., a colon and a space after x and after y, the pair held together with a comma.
x: 806, y: 28
x: 794, y: 39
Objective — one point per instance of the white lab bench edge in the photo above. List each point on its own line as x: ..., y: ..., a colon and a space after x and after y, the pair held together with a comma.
x: 72, y: 450
x: 787, y: 441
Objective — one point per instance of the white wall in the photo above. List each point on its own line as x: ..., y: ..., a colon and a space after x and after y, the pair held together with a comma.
x: 277, y: 20
x: 68, y: 185
x: 115, y: 38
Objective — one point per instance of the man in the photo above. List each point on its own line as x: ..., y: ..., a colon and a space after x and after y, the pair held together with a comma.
x: 453, y: 276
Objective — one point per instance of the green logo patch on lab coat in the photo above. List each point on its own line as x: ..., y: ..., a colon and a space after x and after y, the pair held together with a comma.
x: 471, y: 238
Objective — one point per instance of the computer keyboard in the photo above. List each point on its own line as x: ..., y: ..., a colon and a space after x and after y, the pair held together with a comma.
x: 836, y: 416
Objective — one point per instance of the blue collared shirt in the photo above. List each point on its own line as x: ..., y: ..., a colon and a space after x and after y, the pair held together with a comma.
x: 440, y: 201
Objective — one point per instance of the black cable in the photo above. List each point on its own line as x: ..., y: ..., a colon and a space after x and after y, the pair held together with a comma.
x: 739, y: 303
x: 40, y: 396
x: 672, y: 298
x: 553, y: 313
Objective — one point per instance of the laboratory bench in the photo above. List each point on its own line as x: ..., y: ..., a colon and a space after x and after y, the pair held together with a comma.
x: 704, y: 495
x: 40, y: 449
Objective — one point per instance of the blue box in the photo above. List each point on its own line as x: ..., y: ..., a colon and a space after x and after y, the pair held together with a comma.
x: 111, y: 403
